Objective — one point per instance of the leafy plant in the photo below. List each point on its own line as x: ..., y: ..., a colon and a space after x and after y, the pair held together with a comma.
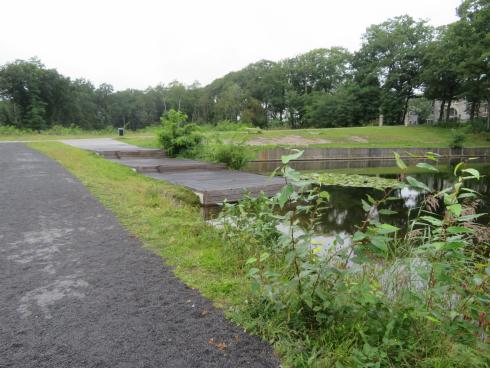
x: 479, y: 126
x: 387, y: 297
x: 235, y: 156
x: 457, y: 141
x: 177, y: 135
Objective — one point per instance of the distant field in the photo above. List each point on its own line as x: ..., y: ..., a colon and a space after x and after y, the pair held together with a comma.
x: 57, y: 137
x: 362, y: 137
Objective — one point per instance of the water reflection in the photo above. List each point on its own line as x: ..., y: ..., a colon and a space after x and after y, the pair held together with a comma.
x: 345, y: 210
x: 346, y: 165
x: 410, y: 197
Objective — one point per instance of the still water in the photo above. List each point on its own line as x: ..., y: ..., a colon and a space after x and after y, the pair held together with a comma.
x: 345, y: 211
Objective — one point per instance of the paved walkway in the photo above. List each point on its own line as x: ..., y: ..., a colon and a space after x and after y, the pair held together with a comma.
x: 102, y: 144
x: 76, y: 290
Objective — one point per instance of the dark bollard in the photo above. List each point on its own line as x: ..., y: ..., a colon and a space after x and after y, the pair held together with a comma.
x: 120, y: 131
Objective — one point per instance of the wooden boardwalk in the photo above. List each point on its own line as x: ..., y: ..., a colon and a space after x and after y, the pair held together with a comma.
x: 213, y: 183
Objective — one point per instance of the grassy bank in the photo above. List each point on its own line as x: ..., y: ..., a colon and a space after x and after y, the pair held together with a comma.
x: 58, y: 133
x: 348, y: 321
x: 360, y: 137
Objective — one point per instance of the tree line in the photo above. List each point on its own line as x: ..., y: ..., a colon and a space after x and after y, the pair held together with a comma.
x: 401, y: 63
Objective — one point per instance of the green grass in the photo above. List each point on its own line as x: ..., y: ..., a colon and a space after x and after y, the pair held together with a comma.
x: 165, y: 217
x: 144, y: 141
x: 360, y: 137
x: 388, y: 136
x: 71, y: 133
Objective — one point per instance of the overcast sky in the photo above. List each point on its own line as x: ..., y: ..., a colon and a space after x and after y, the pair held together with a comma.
x: 134, y: 44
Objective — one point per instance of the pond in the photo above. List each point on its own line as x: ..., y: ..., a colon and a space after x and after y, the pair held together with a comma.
x: 345, y: 211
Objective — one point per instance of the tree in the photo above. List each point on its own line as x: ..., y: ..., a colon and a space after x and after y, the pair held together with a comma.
x: 394, y: 52
x: 441, y: 76
x: 473, y: 30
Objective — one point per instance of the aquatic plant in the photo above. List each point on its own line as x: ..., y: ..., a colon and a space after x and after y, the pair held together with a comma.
x: 381, y: 299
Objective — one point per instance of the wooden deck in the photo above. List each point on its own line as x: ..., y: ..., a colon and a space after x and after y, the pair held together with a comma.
x: 213, y: 183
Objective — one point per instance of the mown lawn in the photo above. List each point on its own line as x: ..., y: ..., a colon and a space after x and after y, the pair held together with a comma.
x: 73, y: 134
x: 361, y: 137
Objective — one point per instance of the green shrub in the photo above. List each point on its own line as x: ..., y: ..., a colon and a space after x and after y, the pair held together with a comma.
x: 457, y: 141
x: 452, y: 124
x: 13, y: 131
x: 387, y: 297
x: 177, y: 135
x: 276, y: 124
x: 478, y: 126
x: 235, y: 156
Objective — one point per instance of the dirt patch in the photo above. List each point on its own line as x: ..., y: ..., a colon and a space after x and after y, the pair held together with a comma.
x: 357, y: 139
x: 288, y: 140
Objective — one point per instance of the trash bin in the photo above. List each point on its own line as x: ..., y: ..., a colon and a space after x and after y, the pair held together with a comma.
x: 120, y: 131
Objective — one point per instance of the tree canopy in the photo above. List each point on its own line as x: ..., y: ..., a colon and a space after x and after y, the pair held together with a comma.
x: 400, y: 59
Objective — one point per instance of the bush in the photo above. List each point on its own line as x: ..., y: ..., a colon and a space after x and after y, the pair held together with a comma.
x: 388, y: 297
x: 177, y: 135
x: 276, y: 124
x: 235, y: 156
x: 478, y: 126
x: 457, y: 141
x: 13, y: 131
x: 452, y: 124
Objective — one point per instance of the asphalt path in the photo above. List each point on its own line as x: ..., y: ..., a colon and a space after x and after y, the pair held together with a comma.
x: 77, y: 290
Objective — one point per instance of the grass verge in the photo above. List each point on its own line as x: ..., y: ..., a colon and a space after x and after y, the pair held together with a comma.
x: 353, y: 137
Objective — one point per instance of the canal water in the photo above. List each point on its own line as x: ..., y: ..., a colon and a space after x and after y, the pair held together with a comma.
x: 345, y: 212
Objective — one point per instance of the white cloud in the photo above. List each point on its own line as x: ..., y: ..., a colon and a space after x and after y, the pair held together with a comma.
x: 134, y: 44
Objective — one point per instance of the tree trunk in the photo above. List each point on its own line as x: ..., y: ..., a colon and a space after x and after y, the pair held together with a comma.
x: 488, y: 112
x: 441, y: 110
x: 405, y: 109
x: 448, y: 110
x: 472, y: 110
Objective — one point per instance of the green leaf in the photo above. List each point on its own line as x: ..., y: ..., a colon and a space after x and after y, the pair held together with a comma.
x: 432, y: 220
x: 380, y: 243
x: 456, y: 168
x: 424, y: 165
x: 264, y: 256
x: 467, y: 218
x: 387, y: 229
x: 399, y: 162
x: 325, y: 195
x: 459, y: 230
x: 474, y: 173
x: 284, y: 195
x: 432, y: 319
x: 251, y: 260
x: 455, y: 209
x: 453, y: 245
x: 358, y: 236
x: 294, y: 156
x: 417, y: 184
x: 385, y: 211
x: 365, y: 206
